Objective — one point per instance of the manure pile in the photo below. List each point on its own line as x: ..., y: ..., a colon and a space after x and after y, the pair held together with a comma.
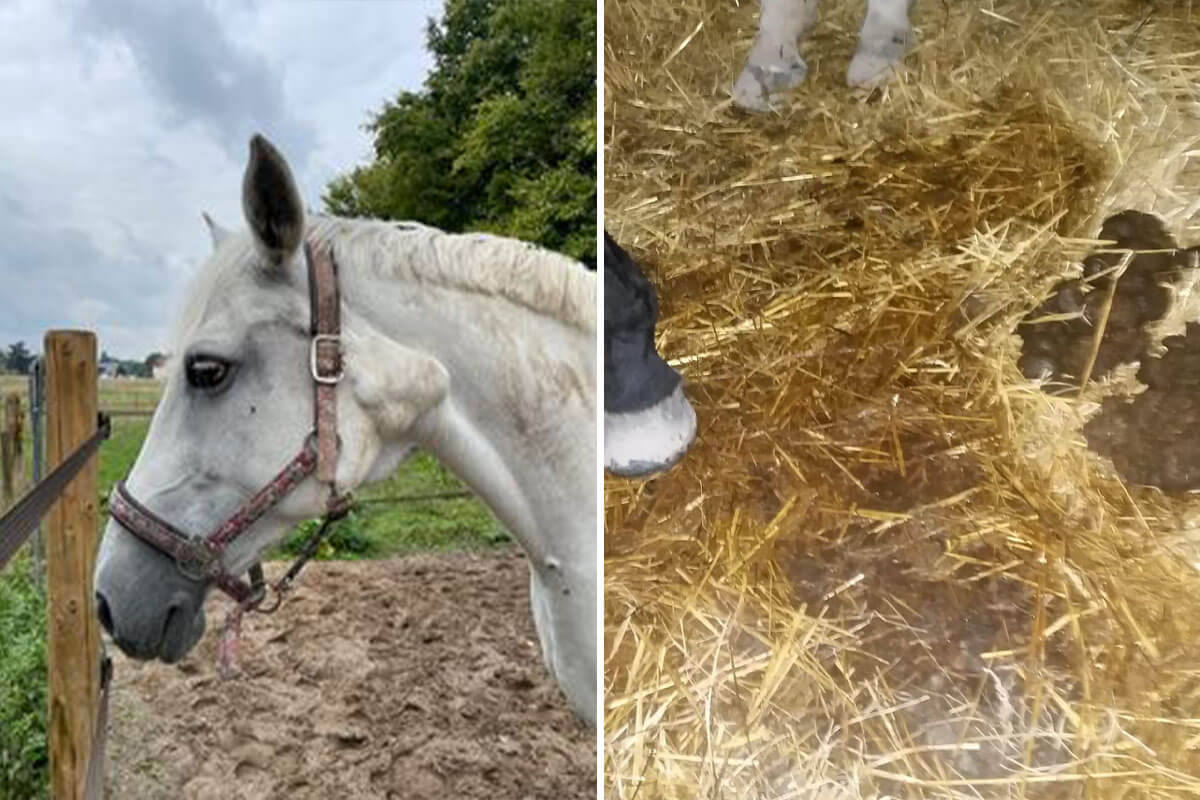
x: 893, y: 565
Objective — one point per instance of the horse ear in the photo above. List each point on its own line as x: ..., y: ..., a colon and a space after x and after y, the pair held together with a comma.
x: 271, y: 203
x: 218, y: 232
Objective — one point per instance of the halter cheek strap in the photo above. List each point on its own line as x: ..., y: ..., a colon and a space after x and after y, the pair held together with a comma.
x: 325, y: 358
x: 200, y: 558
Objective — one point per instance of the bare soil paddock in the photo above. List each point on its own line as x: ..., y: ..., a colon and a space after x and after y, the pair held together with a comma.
x: 415, y: 677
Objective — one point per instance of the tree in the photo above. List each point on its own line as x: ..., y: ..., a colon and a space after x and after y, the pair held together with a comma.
x: 503, y: 136
x: 153, y: 362
x: 18, y: 359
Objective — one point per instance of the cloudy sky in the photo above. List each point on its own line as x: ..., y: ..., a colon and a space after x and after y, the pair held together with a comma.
x: 125, y: 119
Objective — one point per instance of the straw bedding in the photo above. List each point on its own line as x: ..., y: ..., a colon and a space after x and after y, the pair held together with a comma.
x: 891, y: 566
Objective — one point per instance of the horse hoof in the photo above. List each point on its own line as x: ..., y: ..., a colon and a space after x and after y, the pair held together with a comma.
x: 868, y: 70
x: 758, y: 87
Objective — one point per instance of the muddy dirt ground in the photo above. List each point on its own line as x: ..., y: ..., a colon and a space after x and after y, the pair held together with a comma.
x: 416, y: 677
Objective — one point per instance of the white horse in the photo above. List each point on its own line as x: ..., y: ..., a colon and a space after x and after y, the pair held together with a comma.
x: 775, y: 65
x: 479, y: 348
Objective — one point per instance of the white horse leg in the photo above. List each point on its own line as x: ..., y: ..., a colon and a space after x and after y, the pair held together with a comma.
x: 566, y: 626
x: 884, y: 40
x: 775, y: 64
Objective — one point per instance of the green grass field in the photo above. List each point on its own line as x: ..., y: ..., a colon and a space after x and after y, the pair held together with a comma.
x: 115, y: 393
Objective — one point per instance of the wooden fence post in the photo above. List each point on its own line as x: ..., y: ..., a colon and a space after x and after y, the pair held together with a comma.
x: 7, y: 481
x: 12, y: 451
x: 16, y: 424
x: 12, y: 456
x: 72, y: 533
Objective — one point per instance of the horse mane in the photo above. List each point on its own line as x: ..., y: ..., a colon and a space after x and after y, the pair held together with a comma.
x: 545, y: 282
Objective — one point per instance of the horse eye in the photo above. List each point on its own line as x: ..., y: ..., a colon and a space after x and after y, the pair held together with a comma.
x: 205, y: 372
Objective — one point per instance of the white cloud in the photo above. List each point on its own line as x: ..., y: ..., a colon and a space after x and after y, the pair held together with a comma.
x: 127, y: 118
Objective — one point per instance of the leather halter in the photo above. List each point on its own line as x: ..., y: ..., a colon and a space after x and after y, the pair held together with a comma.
x: 200, y: 557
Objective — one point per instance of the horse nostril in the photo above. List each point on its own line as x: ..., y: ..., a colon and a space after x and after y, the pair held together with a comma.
x: 103, y: 612
x: 176, y: 624
x: 173, y: 612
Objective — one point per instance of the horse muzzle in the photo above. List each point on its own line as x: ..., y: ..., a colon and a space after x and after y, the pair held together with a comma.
x: 144, y: 603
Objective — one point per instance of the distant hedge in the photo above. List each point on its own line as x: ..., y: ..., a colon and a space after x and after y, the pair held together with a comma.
x: 503, y: 136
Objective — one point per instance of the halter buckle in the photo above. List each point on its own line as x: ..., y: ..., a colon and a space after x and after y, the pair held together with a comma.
x: 196, y: 562
x: 314, y: 366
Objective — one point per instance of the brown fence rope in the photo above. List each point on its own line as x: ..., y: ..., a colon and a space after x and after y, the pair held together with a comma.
x: 23, y: 518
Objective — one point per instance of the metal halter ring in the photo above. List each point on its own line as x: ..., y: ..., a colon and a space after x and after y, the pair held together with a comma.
x: 198, y: 563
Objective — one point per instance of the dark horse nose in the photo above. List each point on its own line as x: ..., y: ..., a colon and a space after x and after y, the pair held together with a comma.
x: 167, y: 633
x: 148, y: 607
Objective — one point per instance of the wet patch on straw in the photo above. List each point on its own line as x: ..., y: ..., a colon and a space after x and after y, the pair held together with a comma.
x: 1015, y: 155
x: 924, y: 471
x: 939, y: 612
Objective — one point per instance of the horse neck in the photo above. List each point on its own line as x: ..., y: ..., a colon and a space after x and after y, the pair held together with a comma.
x: 533, y: 466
